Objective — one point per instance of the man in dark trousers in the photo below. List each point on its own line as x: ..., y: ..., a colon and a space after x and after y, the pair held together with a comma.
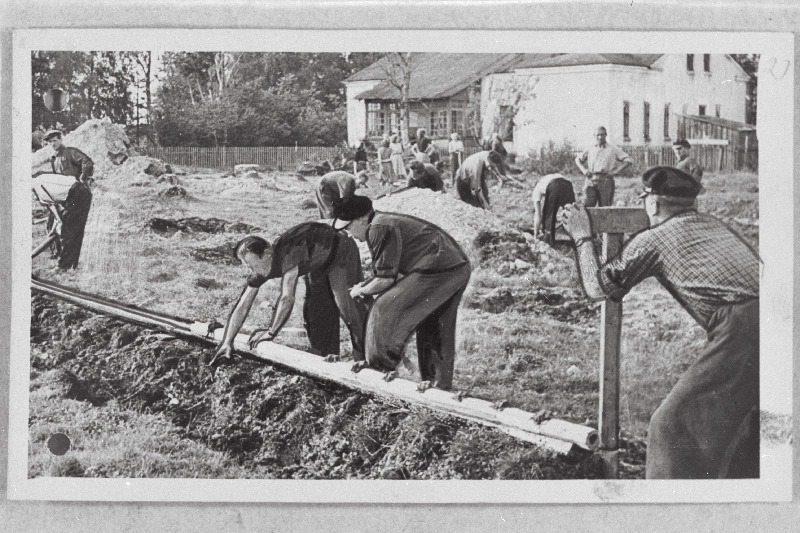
x: 471, y: 177
x: 335, y: 185
x: 708, y: 425
x: 550, y: 194
x: 331, y: 264
x: 425, y: 176
x: 75, y: 210
x: 420, y: 273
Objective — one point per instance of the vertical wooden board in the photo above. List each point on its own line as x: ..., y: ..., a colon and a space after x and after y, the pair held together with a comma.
x: 610, y: 335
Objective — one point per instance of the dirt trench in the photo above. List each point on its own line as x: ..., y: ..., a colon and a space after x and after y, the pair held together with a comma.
x: 276, y: 424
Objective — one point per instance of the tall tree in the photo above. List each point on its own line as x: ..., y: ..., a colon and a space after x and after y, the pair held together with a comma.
x: 749, y: 62
x: 399, y: 68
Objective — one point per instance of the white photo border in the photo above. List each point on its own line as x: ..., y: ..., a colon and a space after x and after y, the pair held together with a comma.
x: 776, y: 140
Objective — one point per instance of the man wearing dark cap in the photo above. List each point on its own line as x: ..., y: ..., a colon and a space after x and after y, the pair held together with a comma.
x: 600, y: 164
x: 471, y: 177
x: 708, y: 425
x: 335, y: 185
x: 685, y: 161
x: 75, y: 210
x: 425, y: 176
x: 331, y: 264
x: 420, y: 273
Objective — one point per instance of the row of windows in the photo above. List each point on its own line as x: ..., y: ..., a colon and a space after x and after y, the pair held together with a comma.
x: 706, y: 62
x: 385, y: 117
x: 626, y: 119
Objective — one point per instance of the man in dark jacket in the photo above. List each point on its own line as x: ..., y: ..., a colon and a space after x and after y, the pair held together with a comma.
x: 75, y: 211
x: 425, y: 176
x: 420, y: 273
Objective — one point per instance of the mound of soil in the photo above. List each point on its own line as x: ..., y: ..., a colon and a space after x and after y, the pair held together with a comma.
x: 167, y: 227
x: 496, y: 247
x: 275, y: 424
x: 566, y: 305
x: 104, y: 142
x: 222, y: 254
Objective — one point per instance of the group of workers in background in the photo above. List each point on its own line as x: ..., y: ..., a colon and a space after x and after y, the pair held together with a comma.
x: 708, y: 426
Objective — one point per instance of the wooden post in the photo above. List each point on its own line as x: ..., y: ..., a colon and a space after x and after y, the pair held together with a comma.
x: 612, y: 223
x: 610, y: 335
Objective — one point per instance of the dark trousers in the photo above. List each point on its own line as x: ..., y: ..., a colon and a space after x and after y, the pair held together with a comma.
x: 328, y: 298
x: 559, y: 193
x: 74, y: 217
x: 708, y: 425
x: 598, y: 191
x: 427, y: 304
x: 465, y: 193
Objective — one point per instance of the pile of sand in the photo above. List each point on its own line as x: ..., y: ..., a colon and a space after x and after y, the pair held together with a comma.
x: 461, y: 220
x: 104, y: 142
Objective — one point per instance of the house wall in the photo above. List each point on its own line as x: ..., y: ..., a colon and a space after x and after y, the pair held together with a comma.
x: 563, y: 106
x: 726, y: 85
x: 357, y: 109
x: 566, y: 104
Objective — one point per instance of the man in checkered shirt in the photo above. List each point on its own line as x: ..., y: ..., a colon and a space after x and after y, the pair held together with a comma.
x: 708, y: 425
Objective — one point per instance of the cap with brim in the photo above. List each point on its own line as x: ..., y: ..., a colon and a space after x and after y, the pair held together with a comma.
x: 668, y: 181
x: 50, y: 134
x: 346, y: 210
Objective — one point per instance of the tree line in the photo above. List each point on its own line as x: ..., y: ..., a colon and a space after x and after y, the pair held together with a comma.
x: 202, y: 98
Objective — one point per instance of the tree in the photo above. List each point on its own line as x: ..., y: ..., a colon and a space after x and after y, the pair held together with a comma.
x: 399, y: 68
x: 749, y: 62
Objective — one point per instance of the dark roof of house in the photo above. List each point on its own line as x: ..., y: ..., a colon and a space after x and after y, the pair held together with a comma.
x: 437, y: 75
x: 573, y: 60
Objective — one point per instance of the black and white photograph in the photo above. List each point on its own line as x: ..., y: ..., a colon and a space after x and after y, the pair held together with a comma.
x: 282, y: 260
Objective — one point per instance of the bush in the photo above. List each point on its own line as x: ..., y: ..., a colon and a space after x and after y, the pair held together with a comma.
x: 552, y: 159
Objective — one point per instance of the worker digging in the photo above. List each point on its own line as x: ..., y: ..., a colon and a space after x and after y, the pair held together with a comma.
x: 419, y: 275
x: 329, y: 262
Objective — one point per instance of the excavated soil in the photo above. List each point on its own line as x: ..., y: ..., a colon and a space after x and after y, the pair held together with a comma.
x: 273, y: 423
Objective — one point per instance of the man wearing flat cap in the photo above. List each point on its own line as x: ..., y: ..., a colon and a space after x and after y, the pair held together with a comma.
x: 419, y: 275
x: 708, y: 425
x: 685, y: 161
x: 75, y: 210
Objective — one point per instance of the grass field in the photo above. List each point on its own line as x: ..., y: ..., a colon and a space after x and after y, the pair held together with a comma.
x: 524, y: 336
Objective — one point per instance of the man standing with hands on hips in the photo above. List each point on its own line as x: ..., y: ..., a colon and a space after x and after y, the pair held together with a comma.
x: 600, y: 164
x: 708, y: 425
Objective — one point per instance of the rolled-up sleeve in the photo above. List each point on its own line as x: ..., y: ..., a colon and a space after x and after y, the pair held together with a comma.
x: 83, y: 161
x: 385, y: 246
x: 639, y: 260
x: 622, y: 157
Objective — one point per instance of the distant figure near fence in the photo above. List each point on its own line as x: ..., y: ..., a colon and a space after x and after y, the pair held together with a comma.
x: 600, y: 164
x: 687, y: 163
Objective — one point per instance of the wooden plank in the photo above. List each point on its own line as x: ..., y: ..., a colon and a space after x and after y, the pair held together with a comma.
x: 555, y: 434
x: 618, y: 219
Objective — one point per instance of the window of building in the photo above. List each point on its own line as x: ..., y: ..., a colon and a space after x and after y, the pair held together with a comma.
x: 706, y: 62
x: 457, y: 122
x: 690, y: 62
x: 381, y: 118
x: 626, y: 120
x: 438, y: 128
x: 717, y: 109
x: 702, y: 111
x: 666, y: 122
x: 646, y: 127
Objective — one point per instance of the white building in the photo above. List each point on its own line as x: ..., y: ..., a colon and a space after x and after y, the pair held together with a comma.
x: 535, y: 99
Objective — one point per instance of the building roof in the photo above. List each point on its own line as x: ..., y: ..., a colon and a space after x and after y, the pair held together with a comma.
x: 573, y: 60
x: 437, y: 75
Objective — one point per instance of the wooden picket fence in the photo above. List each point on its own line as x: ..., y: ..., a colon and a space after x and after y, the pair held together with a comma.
x: 271, y: 157
x: 713, y: 158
